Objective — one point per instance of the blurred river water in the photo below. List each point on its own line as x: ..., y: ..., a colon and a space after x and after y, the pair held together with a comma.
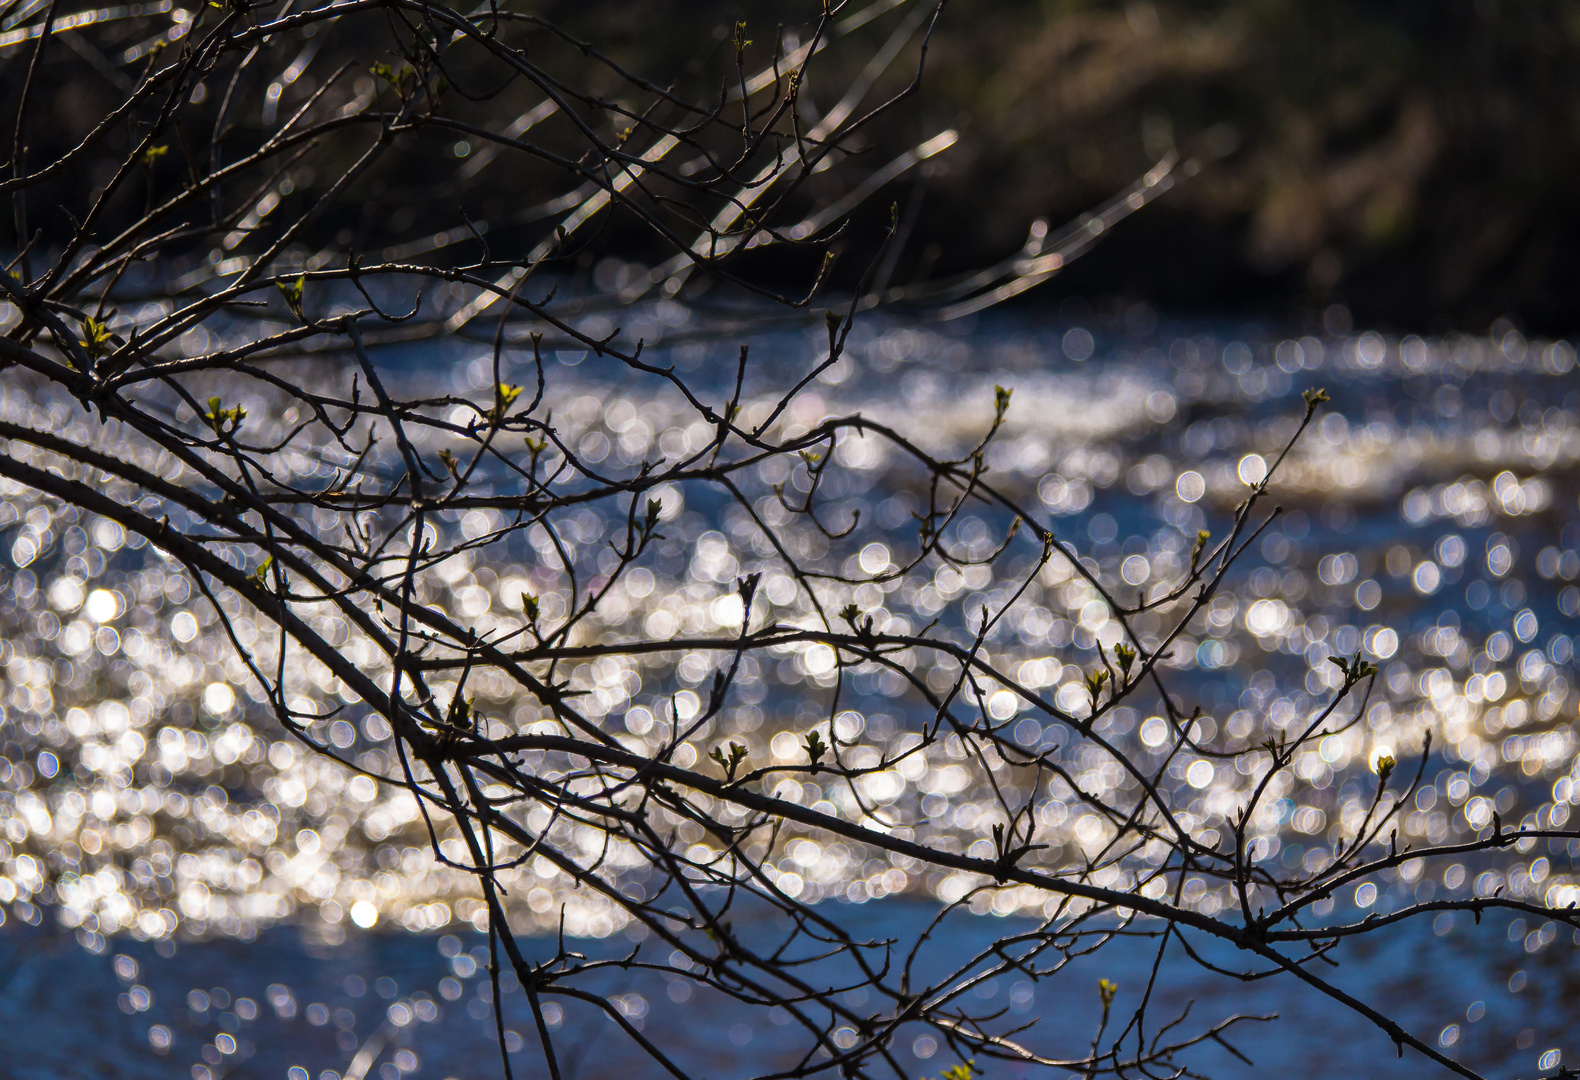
x: 184, y: 890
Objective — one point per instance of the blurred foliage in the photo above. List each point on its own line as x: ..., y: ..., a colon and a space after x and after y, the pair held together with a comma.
x: 1412, y: 159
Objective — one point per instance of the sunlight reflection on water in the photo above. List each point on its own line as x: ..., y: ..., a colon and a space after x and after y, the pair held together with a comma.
x: 1428, y: 525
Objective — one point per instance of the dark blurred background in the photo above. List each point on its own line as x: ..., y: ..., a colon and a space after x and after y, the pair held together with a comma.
x: 1412, y: 160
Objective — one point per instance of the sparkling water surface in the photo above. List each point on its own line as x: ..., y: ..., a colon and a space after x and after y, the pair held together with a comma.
x: 1430, y: 520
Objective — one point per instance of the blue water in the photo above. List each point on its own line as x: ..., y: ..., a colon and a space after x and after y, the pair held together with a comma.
x: 288, y: 1001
